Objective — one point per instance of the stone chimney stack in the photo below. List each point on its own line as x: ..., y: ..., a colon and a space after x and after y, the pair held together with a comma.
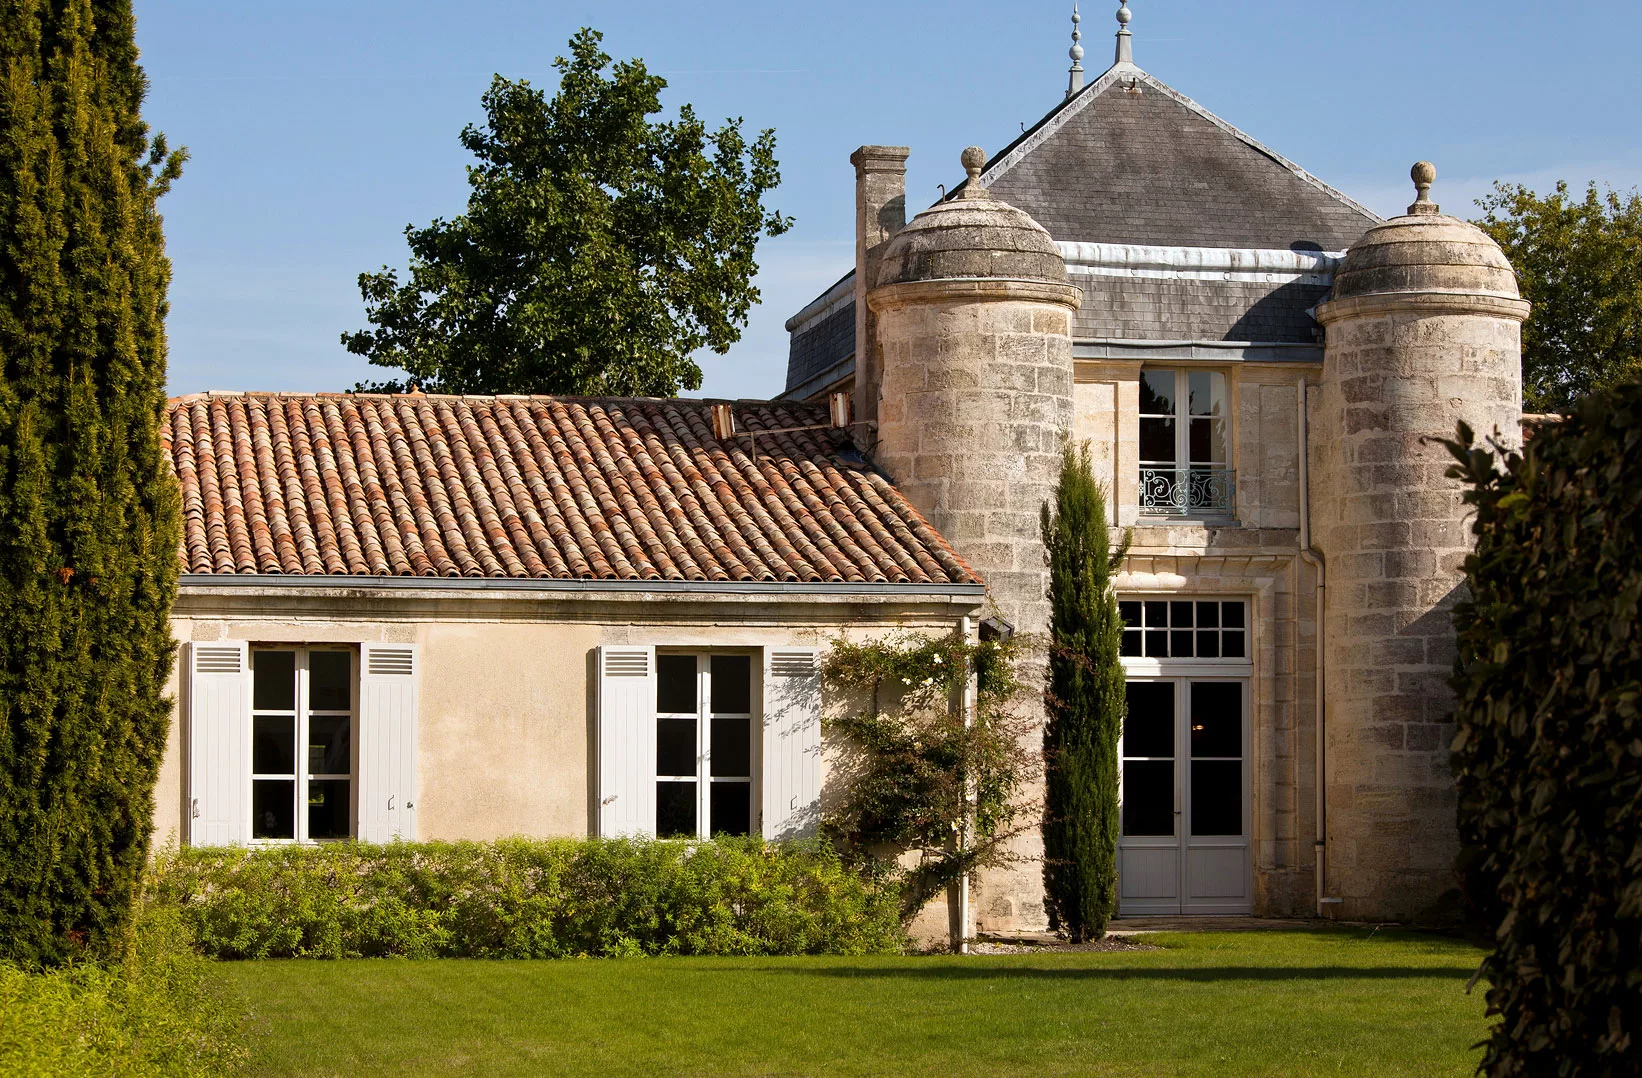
x: 880, y: 212
x: 1423, y: 331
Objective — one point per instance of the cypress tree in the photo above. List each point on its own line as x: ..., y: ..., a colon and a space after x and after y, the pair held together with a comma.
x: 88, y: 509
x: 1084, y: 703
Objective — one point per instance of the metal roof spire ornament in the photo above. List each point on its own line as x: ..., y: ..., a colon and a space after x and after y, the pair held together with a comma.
x: 1074, y: 82
x: 1125, y: 46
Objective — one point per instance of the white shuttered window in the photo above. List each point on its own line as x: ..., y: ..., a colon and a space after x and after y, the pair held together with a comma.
x: 792, y: 742
x: 388, y: 675
x: 219, y: 743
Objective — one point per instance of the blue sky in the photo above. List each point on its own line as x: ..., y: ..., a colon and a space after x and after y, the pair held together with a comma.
x: 320, y: 130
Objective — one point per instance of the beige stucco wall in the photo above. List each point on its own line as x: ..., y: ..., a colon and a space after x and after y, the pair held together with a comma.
x: 506, y: 727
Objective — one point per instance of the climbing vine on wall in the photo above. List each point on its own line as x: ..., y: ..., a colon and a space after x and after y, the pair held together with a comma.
x: 920, y: 771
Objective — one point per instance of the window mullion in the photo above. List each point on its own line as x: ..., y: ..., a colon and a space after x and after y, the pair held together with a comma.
x: 302, y: 737
x: 704, y: 743
x: 1183, y: 420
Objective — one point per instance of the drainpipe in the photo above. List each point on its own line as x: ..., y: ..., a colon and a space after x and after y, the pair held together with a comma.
x: 1311, y: 557
x: 961, y: 944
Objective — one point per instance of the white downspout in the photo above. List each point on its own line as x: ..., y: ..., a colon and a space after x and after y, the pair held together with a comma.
x: 1313, y: 559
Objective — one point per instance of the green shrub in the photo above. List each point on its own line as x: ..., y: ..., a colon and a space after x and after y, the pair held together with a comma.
x: 526, y: 898
x: 1548, y: 749
x: 159, y: 1012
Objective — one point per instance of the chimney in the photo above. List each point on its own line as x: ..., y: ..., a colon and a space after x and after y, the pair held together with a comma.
x: 880, y: 212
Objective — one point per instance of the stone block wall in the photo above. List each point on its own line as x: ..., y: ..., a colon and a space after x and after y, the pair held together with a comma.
x: 1395, y: 533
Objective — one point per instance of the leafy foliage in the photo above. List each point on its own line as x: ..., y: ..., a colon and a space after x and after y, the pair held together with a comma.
x: 1548, y: 750
x: 599, y: 248
x: 1579, y: 262
x: 527, y: 898
x: 159, y: 1011
x: 914, y: 773
x: 88, y: 509
x: 1085, y: 703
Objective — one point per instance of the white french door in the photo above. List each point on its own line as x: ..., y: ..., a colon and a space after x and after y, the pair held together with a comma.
x: 1184, y: 845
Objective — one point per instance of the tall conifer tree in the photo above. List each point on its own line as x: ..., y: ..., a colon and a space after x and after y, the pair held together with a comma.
x: 1084, y: 703
x: 88, y: 510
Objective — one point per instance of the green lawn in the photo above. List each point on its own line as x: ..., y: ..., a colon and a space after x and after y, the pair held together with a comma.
x: 1278, y: 1003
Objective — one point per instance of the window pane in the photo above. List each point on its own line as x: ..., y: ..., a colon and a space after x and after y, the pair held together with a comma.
x: 1206, y: 392
x: 1130, y: 613
x: 273, y: 680
x: 273, y: 808
x: 1217, y: 718
x: 1208, y: 615
x: 273, y: 745
x: 676, y: 810
x: 1157, y: 441
x: 732, y: 747
x: 1231, y: 615
x: 1231, y: 644
x: 1208, y: 441
x: 1148, y: 797
x: 1157, y: 643
x: 1157, y: 614
x: 1149, y: 729
x: 732, y: 684
x: 1180, y: 644
x: 1217, y: 797
x: 675, y: 746
x: 676, y: 684
x: 1180, y: 615
x: 328, y: 808
x: 1157, y: 392
x: 731, y: 804
x: 329, y: 745
x: 1208, y: 644
x: 1131, y: 642
x: 328, y: 680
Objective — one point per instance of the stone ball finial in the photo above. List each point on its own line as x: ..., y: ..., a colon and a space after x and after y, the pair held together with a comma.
x: 1124, y: 15
x: 973, y: 159
x: 1424, y: 174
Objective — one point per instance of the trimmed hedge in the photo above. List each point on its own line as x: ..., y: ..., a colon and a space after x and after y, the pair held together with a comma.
x: 524, y: 898
x: 1548, y: 749
x: 158, y: 1012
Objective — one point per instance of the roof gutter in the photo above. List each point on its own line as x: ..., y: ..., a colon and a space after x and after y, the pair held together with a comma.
x: 532, y: 584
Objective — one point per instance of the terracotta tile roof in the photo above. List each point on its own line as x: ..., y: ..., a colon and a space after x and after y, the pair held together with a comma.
x: 544, y: 487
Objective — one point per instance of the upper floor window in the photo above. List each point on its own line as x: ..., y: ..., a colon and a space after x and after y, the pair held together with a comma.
x: 302, y: 738
x: 1185, y: 435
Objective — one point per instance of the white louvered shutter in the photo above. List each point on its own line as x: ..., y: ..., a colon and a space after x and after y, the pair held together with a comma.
x: 792, y: 742
x: 627, y: 741
x: 219, y: 743
x: 388, y: 674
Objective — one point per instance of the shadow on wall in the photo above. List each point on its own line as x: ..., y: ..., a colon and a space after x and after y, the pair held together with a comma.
x: 591, y: 679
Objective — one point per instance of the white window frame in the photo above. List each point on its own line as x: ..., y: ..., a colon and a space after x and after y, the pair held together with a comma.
x: 303, y: 715
x: 703, y: 717
x: 1212, y: 480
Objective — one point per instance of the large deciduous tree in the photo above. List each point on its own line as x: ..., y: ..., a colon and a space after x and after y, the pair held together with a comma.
x: 599, y: 250
x: 1579, y: 262
x: 1084, y: 700
x: 88, y: 509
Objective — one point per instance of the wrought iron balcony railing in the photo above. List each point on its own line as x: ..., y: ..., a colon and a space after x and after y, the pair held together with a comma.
x: 1199, y: 490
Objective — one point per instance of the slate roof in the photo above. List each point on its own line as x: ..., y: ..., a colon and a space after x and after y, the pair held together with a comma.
x: 543, y: 487
x: 1154, y: 167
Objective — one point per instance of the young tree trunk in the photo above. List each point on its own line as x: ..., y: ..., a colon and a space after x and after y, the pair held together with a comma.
x: 1084, y: 705
x: 88, y: 509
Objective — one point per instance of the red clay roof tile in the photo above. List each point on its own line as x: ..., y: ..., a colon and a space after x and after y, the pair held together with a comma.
x: 544, y: 487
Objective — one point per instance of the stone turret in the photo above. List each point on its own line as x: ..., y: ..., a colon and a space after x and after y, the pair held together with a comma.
x: 974, y: 321
x: 1423, y: 331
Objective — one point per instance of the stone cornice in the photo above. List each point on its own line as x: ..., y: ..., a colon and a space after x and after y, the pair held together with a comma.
x: 972, y: 289
x: 1476, y: 303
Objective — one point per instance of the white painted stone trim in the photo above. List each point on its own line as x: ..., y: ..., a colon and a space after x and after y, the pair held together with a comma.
x: 1264, y: 266
x: 828, y: 302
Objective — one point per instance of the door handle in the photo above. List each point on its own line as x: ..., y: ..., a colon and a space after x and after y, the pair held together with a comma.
x: 390, y: 802
x: 194, y: 809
